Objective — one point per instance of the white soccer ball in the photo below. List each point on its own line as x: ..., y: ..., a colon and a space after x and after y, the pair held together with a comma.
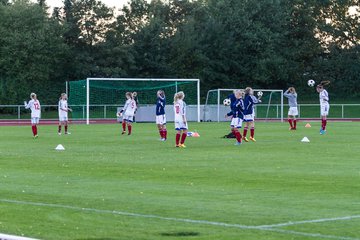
x: 260, y: 93
x: 227, y: 102
x: 311, y: 83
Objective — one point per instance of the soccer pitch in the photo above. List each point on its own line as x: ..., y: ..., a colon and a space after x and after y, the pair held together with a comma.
x: 108, y: 186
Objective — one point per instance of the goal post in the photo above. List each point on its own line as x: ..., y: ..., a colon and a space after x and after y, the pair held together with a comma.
x: 272, y: 106
x: 100, y: 97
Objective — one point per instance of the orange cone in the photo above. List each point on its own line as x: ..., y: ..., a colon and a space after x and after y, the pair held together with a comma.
x: 308, y: 125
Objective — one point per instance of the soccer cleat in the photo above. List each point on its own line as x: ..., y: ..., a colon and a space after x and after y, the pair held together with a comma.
x: 177, y: 146
x: 322, y: 132
x: 129, y: 133
x: 36, y: 136
x: 59, y: 133
x: 182, y: 146
x: 252, y: 139
x: 163, y: 139
x: 237, y: 144
x: 68, y: 133
x: 245, y: 139
x: 123, y: 132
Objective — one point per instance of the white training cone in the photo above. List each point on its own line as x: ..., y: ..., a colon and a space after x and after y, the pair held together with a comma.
x: 60, y: 148
x: 305, y: 140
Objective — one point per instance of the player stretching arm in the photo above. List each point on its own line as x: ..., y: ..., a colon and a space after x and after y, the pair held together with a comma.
x: 237, y: 116
x: 181, y: 125
x: 324, y: 104
x: 293, y: 110
x: 160, y: 114
x: 35, y: 108
x: 63, y: 113
x: 249, y: 112
x: 128, y: 113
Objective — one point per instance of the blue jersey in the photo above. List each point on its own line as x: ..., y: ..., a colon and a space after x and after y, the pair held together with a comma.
x: 160, y: 106
x: 237, y: 111
x: 232, y: 100
x: 249, y: 104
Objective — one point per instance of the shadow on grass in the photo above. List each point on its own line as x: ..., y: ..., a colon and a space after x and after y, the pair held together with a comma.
x: 180, y: 234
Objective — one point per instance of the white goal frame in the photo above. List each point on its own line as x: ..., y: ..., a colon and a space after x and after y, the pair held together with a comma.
x: 255, y: 90
x: 139, y: 79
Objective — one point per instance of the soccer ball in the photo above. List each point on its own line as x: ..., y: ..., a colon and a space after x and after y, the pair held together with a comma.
x: 260, y: 93
x: 311, y: 83
x: 227, y: 102
x: 119, y: 114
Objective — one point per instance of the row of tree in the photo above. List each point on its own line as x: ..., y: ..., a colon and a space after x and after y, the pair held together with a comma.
x: 225, y: 43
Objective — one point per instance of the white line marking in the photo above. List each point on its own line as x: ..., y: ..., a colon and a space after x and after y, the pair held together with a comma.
x: 310, y: 221
x: 204, y: 222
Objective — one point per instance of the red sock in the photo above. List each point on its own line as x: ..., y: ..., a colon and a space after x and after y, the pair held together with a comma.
x: 33, y: 130
x: 165, y: 133
x: 290, y: 122
x: 245, y: 131
x: 66, y: 127
x: 238, y: 136
x: 59, y: 129
x: 161, y: 133
x: 324, y: 122
x: 177, y: 138
x: 123, y: 126
x: 252, y: 132
x: 183, y: 137
x: 295, y: 123
x: 129, y: 129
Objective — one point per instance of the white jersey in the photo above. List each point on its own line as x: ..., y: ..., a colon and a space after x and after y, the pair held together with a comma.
x: 63, y: 108
x: 35, y: 107
x: 179, y: 110
x: 324, y: 97
x: 130, y: 107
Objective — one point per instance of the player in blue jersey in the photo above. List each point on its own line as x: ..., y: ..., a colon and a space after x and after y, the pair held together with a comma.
x: 249, y: 113
x: 236, y: 112
x: 160, y: 114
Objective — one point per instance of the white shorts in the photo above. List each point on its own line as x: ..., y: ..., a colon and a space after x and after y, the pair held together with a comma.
x: 127, y: 118
x: 236, y: 123
x: 161, y: 119
x: 324, y: 109
x: 180, y: 125
x: 249, y: 118
x: 35, y: 120
x: 63, y: 118
x: 293, y: 111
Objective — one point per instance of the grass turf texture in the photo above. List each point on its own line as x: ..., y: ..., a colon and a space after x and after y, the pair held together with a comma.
x: 275, y: 180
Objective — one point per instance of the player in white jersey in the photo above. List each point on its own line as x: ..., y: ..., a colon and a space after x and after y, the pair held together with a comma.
x: 35, y: 108
x: 293, y: 110
x: 324, y: 104
x: 181, y: 125
x: 63, y: 113
x: 128, y: 113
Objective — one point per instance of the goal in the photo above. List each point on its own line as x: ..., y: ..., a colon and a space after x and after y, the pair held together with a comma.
x: 272, y: 106
x: 99, y: 98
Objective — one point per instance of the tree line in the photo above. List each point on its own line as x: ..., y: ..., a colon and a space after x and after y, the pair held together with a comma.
x: 226, y: 43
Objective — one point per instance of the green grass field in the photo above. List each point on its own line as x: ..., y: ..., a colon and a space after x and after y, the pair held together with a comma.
x: 107, y: 186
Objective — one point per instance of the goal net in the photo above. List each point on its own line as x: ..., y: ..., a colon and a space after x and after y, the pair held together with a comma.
x: 271, y: 106
x: 99, y: 98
